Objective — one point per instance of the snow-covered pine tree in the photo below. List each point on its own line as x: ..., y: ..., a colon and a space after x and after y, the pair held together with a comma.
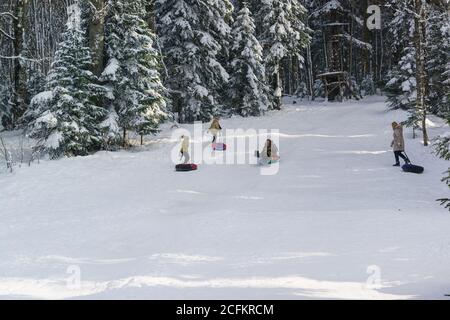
x: 6, y: 105
x: 248, y: 87
x: 401, y: 80
x: 294, y: 69
x: 442, y: 145
x: 300, y: 37
x: 401, y: 87
x: 282, y: 34
x: 193, y: 36
x: 445, y: 31
x: 65, y: 118
x: 319, y: 89
x: 35, y: 81
x: 438, y: 62
x: 446, y: 70
x: 438, y: 68
x: 368, y: 85
x: 132, y: 73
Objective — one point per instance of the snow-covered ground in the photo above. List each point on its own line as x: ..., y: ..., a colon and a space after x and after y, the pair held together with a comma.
x: 334, y: 220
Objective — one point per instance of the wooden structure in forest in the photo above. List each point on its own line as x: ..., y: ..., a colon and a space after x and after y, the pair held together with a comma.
x: 335, y: 78
x: 336, y: 81
x: 337, y: 85
x: 332, y: 34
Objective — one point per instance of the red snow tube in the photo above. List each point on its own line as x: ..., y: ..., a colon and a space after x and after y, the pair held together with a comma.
x: 219, y: 146
x: 186, y: 167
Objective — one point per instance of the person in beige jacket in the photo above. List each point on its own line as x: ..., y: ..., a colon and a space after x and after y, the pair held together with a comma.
x: 398, y: 144
x: 214, y: 129
x: 185, y: 149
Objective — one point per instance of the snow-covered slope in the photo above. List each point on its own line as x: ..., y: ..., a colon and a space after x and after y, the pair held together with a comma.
x: 334, y: 220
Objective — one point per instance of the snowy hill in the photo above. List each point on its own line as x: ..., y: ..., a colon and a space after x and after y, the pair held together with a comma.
x: 336, y: 218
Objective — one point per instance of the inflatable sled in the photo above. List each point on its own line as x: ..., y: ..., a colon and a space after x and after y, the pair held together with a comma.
x: 268, y: 162
x: 219, y: 146
x: 413, y: 168
x: 186, y: 167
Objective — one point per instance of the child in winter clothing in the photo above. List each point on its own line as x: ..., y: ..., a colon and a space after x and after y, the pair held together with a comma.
x: 269, y: 153
x: 398, y: 144
x: 215, y: 129
x: 185, y: 149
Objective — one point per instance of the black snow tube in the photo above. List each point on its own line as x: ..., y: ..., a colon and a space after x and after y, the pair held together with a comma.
x: 413, y: 168
x: 186, y: 167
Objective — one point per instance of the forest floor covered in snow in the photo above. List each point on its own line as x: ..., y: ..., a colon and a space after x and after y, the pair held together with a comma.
x: 337, y: 221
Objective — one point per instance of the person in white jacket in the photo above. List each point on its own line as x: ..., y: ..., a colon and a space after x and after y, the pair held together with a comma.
x: 215, y: 129
x: 269, y: 153
x: 185, y: 149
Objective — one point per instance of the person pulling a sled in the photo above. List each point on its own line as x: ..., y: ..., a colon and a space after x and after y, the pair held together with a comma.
x: 269, y: 153
x: 185, y: 149
x: 215, y: 129
x: 398, y: 144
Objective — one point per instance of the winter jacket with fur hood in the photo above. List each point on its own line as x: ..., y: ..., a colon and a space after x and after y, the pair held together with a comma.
x: 215, y: 127
x: 185, y: 145
x: 398, y: 144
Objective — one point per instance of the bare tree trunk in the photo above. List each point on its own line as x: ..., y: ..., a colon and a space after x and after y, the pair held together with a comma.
x: 296, y: 74
x: 290, y: 76
x: 310, y: 69
x: 381, y: 53
x: 97, y: 36
x: 419, y: 39
x: 278, y: 87
x: 366, y: 38
x: 19, y: 70
x: 350, y: 58
x: 150, y: 8
x: 124, y: 137
x: 325, y: 51
x: 310, y: 73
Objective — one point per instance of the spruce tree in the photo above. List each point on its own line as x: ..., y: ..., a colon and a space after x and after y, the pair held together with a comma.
x: 65, y: 117
x: 282, y: 33
x: 401, y: 87
x: 438, y: 68
x: 194, y: 36
x: 442, y: 145
x: 6, y: 105
x: 438, y: 63
x: 132, y: 73
x: 368, y: 86
x: 300, y: 36
x: 249, y: 91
